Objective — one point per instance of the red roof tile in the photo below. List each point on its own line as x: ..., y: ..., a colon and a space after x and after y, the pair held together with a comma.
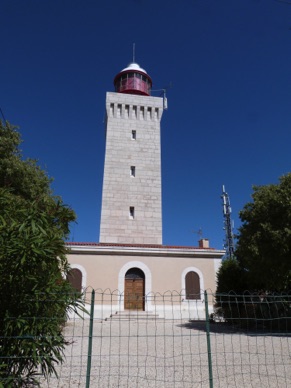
x: 133, y: 245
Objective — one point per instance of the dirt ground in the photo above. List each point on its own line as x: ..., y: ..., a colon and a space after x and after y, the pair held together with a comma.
x: 172, y: 354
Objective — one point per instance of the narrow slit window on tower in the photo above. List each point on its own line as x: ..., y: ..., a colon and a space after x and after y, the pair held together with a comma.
x: 131, y: 212
x: 133, y: 135
x: 156, y: 113
x: 119, y: 107
x: 149, y: 113
x: 111, y: 109
x: 132, y: 171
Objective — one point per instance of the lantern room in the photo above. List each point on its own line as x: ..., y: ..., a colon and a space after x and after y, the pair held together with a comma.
x: 133, y: 80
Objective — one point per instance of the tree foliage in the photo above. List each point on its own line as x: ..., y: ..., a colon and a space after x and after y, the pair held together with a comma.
x: 263, y: 252
x: 230, y: 277
x: 23, y: 178
x: 35, y: 297
x: 264, y: 241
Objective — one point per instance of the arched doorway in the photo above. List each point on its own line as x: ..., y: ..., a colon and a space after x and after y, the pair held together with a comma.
x: 134, y: 289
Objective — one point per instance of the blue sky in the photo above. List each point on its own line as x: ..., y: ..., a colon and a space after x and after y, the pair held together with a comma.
x: 229, y: 116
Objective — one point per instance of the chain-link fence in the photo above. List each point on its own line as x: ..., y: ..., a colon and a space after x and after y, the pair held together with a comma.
x: 169, y: 341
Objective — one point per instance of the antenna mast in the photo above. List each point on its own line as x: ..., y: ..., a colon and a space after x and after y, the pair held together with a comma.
x: 228, y: 226
x: 2, y: 114
x: 133, y: 53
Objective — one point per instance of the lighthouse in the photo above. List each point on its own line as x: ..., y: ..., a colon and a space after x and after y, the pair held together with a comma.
x: 130, y: 257
x: 131, y: 210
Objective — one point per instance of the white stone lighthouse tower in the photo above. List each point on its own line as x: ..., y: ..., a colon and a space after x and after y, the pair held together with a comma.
x: 132, y: 198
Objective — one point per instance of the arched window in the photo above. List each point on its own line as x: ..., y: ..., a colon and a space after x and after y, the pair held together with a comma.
x: 75, y: 278
x: 192, y: 285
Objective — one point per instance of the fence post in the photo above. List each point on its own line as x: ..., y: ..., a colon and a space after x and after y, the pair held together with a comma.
x: 208, y: 341
x: 90, y: 340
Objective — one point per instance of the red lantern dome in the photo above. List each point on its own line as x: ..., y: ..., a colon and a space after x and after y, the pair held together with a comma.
x: 133, y: 80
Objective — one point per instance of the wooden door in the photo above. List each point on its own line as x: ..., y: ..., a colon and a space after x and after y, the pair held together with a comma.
x: 134, y: 294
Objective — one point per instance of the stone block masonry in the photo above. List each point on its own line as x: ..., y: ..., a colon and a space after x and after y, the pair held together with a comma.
x: 132, y: 198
